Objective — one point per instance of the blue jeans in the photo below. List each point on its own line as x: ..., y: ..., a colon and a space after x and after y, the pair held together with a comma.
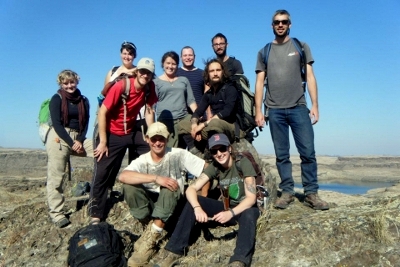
x: 298, y: 119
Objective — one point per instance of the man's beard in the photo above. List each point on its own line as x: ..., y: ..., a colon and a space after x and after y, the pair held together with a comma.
x: 283, y: 35
x: 216, y: 83
x: 221, y: 55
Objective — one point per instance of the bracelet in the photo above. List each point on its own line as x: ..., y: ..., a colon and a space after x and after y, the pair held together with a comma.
x: 233, y: 213
x: 196, y: 207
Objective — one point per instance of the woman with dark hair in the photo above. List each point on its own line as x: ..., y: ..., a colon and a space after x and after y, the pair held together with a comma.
x: 238, y: 205
x: 174, y: 96
x: 128, y: 55
x: 69, y: 112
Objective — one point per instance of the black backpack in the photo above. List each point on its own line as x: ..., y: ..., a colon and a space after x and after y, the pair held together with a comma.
x: 97, y: 245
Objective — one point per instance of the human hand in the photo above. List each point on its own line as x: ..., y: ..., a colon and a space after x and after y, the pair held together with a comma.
x: 200, y: 215
x: 167, y: 182
x: 100, y: 150
x: 223, y: 216
x: 314, y: 114
x: 77, y: 146
x: 260, y: 119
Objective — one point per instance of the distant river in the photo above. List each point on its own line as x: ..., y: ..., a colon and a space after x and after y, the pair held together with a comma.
x: 349, y: 187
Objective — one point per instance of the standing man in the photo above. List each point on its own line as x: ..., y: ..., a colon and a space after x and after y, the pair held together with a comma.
x: 219, y: 44
x: 153, y: 184
x: 116, y: 124
x: 286, y: 104
x: 193, y: 74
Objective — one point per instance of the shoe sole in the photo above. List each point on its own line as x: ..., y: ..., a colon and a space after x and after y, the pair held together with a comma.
x: 314, y: 208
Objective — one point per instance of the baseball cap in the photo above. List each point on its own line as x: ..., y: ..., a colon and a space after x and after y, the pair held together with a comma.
x: 157, y: 128
x: 146, y: 63
x: 218, y: 139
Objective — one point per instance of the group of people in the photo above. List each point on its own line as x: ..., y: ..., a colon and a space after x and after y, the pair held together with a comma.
x: 195, y: 109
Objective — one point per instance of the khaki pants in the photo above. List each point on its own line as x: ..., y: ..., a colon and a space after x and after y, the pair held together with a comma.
x: 58, y: 153
x: 173, y: 129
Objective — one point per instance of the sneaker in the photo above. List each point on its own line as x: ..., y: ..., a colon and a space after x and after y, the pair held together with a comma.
x: 145, y: 247
x: 284, y: 201
x: 166, y: 259
x: 315, y: 202
x: 236, y: 264
x: 62, y: 223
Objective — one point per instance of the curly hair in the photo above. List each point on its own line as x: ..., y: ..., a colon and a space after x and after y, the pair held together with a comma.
x: 206, y: 75
x: 67, y: 75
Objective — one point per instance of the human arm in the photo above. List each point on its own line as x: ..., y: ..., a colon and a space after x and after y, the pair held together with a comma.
x: 259, y: 89
x: 247, y: 202
x: 313, y: 92
x: 135, y: 178
x: 191, y: 196
x: 57, y: 124
x: 101, y: 148
x: 108, y: 77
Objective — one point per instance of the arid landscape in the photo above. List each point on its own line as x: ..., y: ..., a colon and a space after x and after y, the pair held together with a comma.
x: 358, y: 230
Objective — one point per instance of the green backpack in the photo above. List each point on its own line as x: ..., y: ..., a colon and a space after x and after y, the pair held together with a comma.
x: 45, y: 122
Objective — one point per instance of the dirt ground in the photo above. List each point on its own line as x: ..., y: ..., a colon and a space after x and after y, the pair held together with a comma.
x: 356, y: 231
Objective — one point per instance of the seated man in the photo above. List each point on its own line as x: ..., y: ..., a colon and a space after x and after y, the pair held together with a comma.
x: 221, y: 98
x: 153, y: 184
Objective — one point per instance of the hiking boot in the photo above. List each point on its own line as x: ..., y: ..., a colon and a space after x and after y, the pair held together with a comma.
x: 284, y: 201
x: 236, y: 264
x: 62, y: 223
x: 315, y: 202
x: 166, y: 259
x: 144, y: 247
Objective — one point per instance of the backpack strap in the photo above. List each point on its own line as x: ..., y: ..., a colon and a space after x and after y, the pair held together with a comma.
x: 124, y: 97
x: 114, y: 69
x: 300, y: 48
x: 265, y: 53
x: 239, y: 156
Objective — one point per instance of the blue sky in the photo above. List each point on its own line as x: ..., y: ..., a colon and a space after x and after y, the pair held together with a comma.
x: 355, y: 45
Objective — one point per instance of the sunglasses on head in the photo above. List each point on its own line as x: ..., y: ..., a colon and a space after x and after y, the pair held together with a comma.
x: 284, y: 22
x: 125, y: 43
x: 221, y: 149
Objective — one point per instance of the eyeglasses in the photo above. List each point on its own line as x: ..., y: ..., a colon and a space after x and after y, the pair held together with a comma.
x: 220, y: 44
x: 284, y: 22
x: 221, y: 149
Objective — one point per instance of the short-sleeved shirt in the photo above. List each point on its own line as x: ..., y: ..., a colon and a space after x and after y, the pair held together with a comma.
x: 136, y: 100
x: 285, y: 88
x: 174, y: 162
x: 233, y: 66
x: 173, y: 98
x: 231, y: 178
x: 196, y: 80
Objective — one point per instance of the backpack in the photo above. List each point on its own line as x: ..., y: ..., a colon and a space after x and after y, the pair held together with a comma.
x: 96, y: 245
x: 124, y: 96
x: 245, y: 115
x: 44, y: 120
x: 261, y: 192
x: 300, y: 48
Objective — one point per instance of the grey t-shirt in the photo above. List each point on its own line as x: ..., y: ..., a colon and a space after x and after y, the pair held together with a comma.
x: 283, y: 71
x: 173, y: 98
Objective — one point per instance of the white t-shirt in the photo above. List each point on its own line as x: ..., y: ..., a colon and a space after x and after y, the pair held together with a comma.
x: 174, y: 162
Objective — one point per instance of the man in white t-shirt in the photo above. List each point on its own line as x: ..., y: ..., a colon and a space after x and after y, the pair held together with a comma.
x: 153, y: 184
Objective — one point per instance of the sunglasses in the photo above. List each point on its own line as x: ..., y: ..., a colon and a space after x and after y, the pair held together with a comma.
x: 125, y: 43
x: 221, y: 149
x: 284, y: 22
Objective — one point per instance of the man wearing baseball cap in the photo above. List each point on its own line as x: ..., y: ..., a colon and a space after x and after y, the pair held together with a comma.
x: 116, y: 121
x: 153, y: 184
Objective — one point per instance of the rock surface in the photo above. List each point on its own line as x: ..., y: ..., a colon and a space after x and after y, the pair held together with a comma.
x: 358, y: 230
